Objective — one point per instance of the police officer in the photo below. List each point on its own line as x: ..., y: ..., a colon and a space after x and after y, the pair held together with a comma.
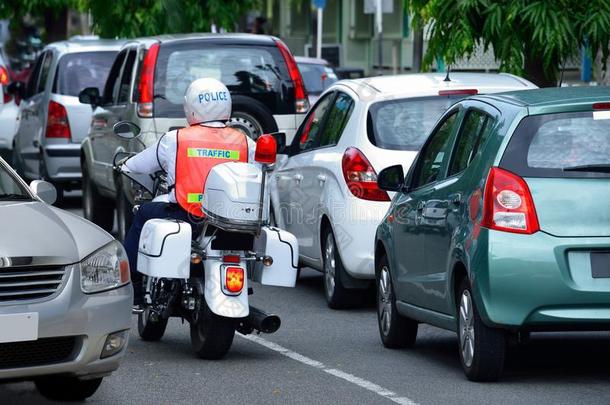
x: 187, y: 155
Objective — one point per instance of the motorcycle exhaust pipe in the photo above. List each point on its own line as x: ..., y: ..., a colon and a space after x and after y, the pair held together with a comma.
x: 262, y: 321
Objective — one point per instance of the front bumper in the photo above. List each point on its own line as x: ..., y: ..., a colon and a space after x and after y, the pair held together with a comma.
x: 62, y: 162
x: 540, y: 282
x: 88, y: 318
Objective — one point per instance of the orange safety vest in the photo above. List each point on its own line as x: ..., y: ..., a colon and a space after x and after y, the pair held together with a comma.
x: 199, y: 149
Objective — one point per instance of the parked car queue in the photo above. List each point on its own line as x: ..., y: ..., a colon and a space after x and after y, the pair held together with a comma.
x: 431, y: 256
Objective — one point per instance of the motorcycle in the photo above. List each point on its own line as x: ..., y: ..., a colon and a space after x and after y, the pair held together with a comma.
x: 202, y: 275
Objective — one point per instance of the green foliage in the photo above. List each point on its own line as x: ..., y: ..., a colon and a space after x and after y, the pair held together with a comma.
x: 134, y: 18
x: 547, y: 32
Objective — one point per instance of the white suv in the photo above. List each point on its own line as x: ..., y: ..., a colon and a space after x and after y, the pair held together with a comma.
x: 325, y: 191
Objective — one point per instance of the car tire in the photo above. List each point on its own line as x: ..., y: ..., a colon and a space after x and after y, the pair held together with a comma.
x: 124, y: 213
x: 63, y: 388
x: 482, y: 349
x: 396, y: 331
x: 149, y: 329
x: 252, y: 117
x: 337, y: 296
x: 97, y: 208
x: 211, y: 335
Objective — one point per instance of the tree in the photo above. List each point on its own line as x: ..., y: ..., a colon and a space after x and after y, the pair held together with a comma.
x: 533, y: 38
x: 129, y: 18
x: 52, y: 14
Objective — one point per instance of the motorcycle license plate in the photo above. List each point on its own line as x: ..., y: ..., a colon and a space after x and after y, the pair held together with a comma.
x: 18, y: 327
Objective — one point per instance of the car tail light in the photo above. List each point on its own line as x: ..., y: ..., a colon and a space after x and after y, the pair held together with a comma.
x: 360, y: 176
x: 57, y: 121
x: 4, y: 81
x: 147, y: 82
x: 234, y: 279
x: 301, y: 102
x: 462, y: 92
x: 508, y: 204
x: 601, y: 106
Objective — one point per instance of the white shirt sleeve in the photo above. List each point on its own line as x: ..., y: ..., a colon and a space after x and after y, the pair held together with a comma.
x: 153, y: 158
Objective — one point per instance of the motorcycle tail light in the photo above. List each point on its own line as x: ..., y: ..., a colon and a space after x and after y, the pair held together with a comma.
x: 4, y: 81
x: 231, y: 259
x: 234, y: 279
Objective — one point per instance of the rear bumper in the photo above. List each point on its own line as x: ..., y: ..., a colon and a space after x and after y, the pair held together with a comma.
x: 62, y: 162
x: 355, y: 235
x: 541, y: 282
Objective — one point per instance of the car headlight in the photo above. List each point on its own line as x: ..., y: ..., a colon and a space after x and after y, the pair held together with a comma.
x: 105, y: 269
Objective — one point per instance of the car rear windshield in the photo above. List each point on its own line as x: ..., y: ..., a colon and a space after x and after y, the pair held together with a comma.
x: 77, y: 71
x: 10, y: 188
x: 404, y: 124
x: 317, y: 77
x: 560, y: 145
x: 254, y: 71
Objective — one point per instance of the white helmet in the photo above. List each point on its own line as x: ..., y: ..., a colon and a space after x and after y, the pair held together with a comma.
x: 207, y: 100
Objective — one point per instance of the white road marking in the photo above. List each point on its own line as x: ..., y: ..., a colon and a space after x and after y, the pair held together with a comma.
x: 367, y: 385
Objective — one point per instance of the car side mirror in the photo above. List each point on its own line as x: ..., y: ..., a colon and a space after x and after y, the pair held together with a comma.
x: 266, y: 149
x: 126, y: 130
x: 16, y: 89
x: 90, y: 95
x: 391, y: 178
x: 44, y: 190
x: 280, y: 140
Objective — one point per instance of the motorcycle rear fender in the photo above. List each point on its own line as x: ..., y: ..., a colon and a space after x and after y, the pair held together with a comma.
x: 222, y: 304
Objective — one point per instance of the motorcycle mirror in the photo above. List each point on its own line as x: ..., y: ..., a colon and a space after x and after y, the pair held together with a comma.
x: 280, y: 139
x: 126, y: 130
x: 266, y: 149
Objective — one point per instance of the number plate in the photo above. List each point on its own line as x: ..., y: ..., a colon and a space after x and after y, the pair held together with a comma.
x: 600, y: 264
x: 18, y: 327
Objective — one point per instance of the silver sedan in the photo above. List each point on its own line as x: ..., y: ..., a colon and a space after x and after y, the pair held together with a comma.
x: 65, y: 294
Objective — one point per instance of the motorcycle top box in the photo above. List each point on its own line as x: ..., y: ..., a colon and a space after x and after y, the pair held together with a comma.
x: 231, y: 199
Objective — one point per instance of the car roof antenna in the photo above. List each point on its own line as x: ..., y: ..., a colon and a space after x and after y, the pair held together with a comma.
x: 447, y: 78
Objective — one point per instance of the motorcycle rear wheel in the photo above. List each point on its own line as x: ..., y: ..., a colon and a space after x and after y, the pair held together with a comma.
x: 211, y: 335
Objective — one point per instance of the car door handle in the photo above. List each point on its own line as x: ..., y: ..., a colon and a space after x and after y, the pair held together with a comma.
x: 298, y: 177
x: 36, y: 144
x: 321, y: 178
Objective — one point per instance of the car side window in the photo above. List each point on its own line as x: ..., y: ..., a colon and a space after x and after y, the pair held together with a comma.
x: 475, y: 125
x: 337, y: 119
x: 435, y: 152
x: 125, y: 86
x: 308, y: 134
x: 113, y: 78
x: 30, y: 89
x: 44, y: 71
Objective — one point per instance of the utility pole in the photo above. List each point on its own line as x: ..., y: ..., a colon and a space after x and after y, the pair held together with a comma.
x: 379, y: 24
x: 319, y: 4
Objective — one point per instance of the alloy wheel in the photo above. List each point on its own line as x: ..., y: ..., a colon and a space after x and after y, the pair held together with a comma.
x: 247, y: 124
x: 329, y: 264
x: 385, y: 300
x: 466, y: 328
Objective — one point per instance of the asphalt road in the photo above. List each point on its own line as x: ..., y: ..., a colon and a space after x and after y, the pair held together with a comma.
x: 324, y: 356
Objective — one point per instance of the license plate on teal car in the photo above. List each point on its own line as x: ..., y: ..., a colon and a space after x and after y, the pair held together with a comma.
x: 600, y: 264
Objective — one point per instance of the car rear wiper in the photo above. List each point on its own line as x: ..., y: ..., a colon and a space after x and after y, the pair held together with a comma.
x: 601, y: 168
x: 15, y: 197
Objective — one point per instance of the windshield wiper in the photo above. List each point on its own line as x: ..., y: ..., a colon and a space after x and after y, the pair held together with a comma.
x: 15, y: 197
x: 600, y: 168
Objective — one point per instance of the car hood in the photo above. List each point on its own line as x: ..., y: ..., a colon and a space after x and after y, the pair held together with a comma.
x: 37, y: 233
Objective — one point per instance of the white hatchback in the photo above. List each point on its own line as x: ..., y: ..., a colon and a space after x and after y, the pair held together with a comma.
x: 324, y: 189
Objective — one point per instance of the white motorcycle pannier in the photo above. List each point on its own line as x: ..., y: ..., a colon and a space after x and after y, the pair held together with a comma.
x: 231, y: 198
x: 283, y: 248
x: 165, y: 249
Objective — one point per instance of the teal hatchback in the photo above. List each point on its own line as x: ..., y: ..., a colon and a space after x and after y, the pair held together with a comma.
x: 502, y: 225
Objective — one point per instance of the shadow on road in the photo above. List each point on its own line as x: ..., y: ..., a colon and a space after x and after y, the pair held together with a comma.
x: 313, y: 282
